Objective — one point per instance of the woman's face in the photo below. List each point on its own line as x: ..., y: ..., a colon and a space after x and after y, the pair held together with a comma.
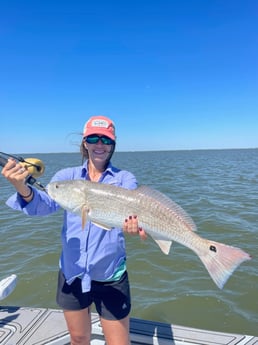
x: 100, y: 148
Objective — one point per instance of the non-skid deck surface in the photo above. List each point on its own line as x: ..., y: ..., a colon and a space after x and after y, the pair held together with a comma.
x: 39, y: 326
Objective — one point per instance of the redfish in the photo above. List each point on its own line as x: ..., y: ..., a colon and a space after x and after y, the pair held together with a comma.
x: 164, y: 220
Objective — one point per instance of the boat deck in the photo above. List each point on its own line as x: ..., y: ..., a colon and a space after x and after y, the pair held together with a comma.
x: 39, y: 326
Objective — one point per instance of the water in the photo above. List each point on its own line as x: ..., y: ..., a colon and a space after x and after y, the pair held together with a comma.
x: 218, y: 188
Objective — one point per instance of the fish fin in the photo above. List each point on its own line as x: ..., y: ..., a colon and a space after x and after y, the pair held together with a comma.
x: 221, y: 260
x: 84, y: 214
x: 102, y: 226
x: 164, y: 245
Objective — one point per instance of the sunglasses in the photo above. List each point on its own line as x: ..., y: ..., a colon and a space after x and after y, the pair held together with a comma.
x: 94, y: 138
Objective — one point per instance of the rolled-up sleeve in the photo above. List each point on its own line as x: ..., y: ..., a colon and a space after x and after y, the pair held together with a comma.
x: 40, y: 205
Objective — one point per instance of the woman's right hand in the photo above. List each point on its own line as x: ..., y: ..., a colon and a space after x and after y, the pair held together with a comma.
x: 16, y: 174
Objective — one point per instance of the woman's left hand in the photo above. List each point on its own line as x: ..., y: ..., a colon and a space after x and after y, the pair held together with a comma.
x: 131, y: 227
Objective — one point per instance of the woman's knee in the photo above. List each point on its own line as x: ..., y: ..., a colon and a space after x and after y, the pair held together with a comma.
x: 79, y: 326
x: 77, y: 339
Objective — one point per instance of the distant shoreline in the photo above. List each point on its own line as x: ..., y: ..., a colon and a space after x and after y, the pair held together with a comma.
x: 142, y: 151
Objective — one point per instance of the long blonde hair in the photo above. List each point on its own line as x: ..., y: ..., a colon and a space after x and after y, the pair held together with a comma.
x: 84, y: 152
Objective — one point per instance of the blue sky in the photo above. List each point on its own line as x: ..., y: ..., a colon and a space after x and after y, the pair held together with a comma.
x: 172, y: 74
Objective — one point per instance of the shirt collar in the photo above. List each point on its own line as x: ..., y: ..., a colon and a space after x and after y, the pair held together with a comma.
x: 109, y: 170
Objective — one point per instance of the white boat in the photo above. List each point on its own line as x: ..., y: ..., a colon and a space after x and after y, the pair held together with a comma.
x: 39, y: 326
x: 7, y: 285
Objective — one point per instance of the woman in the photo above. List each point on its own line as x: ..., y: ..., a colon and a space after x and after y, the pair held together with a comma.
x: 93, y: 261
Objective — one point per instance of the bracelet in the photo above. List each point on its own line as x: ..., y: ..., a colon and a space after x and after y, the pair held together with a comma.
x: 27, y: 196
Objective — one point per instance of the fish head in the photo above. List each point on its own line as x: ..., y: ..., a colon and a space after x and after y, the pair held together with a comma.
x: 69, y: 194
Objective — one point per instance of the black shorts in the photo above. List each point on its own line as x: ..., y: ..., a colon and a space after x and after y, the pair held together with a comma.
x: 112, y: 299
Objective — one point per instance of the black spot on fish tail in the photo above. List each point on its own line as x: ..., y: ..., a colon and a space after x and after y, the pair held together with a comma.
x: 213, y: 249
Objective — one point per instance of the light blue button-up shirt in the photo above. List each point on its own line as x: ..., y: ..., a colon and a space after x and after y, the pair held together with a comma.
x: 92, y: 253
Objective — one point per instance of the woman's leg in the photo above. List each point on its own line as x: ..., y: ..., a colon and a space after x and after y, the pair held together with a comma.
x: 76, y: 307
x: 116, y: 332
x: 113, y: 304
x: 79, y: 326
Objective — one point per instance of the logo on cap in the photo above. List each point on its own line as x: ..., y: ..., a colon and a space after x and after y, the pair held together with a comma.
x: 99, y: 123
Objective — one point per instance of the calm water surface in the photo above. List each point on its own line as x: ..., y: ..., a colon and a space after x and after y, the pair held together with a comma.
x: 218, y: 188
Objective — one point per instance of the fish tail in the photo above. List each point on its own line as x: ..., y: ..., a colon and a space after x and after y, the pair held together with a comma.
x: 221, y: 260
